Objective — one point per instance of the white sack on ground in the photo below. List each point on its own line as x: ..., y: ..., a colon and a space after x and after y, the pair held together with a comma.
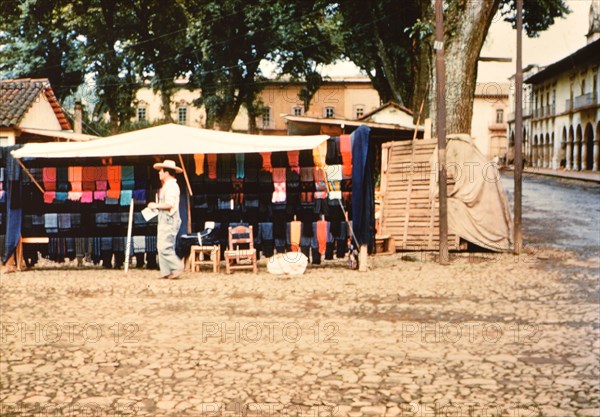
x: 478, y: 209
x: 290, y: 263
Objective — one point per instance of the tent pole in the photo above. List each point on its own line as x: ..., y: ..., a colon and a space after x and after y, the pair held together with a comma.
x: 30, y: 176
x: 189, y: 187
x: 185, y: 175
x: 128, y: 243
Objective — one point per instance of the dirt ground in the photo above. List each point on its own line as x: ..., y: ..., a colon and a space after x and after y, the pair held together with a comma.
x: 487, y: 335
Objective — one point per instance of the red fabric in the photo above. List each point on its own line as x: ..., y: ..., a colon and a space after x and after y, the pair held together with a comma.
x: 266, y: 158
x: 346, y: 151
x: 49, y: 197
x: 49, y: 178
x: 211, y: 160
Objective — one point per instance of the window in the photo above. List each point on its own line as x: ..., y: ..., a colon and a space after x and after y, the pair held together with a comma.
x: 329, y: 112
x: 141, y: 114
x: 499, y: 116
x: 359, y: 111
x: 266, y: 118
x: 3, y: 140
x: 298, y: 111
x: 182, y: 115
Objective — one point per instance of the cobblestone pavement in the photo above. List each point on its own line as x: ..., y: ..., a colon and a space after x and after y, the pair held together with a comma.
x: 485, y: 336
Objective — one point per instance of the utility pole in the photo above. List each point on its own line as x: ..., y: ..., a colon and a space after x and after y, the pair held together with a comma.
x: 518, y: 161
x: 440, y: 76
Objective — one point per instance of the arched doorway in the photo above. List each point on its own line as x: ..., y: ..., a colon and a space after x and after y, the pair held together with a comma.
x: 570, y: 149
x: 525, y: 148
x: 551, y: 163
x: 535, y: 151
x: 589, y: 146
x: 597, y: 149
x: 562, y: 157
x: 547, y: 151
x: 578, y: 148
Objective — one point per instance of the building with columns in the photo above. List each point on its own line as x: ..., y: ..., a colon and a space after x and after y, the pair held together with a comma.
x: 561, y: 110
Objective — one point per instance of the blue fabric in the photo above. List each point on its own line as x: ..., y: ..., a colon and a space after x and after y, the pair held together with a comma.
x: 239, y: 163
x: 363, y: 194
x: 14, y: 210
x: 139, y: 196
x: 61, y: 197
x: 126, y: 196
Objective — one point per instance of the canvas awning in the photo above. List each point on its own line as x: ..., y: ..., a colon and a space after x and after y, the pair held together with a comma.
x: 170, y: 139
x: 60, y: 134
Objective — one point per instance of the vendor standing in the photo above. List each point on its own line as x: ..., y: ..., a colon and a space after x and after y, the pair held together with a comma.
x: 169, y: 221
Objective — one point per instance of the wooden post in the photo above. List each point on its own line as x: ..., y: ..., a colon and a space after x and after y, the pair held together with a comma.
x: 363, y: 255
x: 440, y: 76
x: 518, y: 160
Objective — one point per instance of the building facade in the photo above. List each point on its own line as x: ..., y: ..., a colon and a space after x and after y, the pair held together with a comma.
x: 561, y: 112
x: 489, y: 127
x: 341, y: 98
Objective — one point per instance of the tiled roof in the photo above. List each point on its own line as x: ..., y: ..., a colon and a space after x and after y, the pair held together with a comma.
x: 17, y: 97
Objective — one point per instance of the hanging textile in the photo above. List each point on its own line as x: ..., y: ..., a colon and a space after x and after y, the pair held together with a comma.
x: 363, y: 194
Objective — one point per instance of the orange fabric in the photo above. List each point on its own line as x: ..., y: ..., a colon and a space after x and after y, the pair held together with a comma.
x: 113, y: 193
x: 199, y: 160
x: 319, y: 154
x: 211, y: 160
x: 294, y: 160
x: 295, y: 232
x: 322, y: 235
x: 113, y: 173
x: 75, y: 178
x: 266, y: 157
x: 346, y: 151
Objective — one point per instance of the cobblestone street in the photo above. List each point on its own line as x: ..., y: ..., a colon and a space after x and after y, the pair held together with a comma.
x: 488, y: 335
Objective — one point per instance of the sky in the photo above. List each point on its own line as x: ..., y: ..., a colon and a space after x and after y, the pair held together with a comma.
x: 560, y: 40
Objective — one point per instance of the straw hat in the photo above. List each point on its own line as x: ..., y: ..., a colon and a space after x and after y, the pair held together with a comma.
x: 167, y: 163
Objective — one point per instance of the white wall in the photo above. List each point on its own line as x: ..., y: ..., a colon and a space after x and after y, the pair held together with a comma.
x: 40, y: 115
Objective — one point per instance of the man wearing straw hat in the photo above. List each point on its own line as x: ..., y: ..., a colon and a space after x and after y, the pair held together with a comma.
x: 169, y: 221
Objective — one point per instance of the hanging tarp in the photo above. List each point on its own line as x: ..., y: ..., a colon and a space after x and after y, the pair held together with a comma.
x: 170, y: 139
x: 478, y: 209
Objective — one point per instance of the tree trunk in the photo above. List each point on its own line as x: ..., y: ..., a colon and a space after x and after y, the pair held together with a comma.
x: 389, y: 69
x: 165, y: 94
x: 465, y: 30
x: 114, y: 120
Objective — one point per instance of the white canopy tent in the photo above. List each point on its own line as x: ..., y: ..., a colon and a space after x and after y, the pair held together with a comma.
x: 169, y: 139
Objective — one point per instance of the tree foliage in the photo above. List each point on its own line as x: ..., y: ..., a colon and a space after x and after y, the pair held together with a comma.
x: 392, y: 41
x: 219, y: 46
x: 39, y: 39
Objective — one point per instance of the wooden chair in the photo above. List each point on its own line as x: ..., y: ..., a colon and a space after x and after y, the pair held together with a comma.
x: 241, y: 253
x: 205, y: 255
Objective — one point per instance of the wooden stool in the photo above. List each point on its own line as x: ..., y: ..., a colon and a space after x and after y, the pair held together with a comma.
x: 198, y: 257
x: 19, y: 251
